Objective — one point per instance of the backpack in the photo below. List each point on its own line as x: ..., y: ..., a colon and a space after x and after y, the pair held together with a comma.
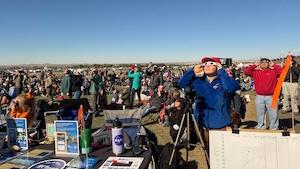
x: 165, y: 157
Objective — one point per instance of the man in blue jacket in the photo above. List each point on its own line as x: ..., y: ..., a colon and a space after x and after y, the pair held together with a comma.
x: 214, y: 89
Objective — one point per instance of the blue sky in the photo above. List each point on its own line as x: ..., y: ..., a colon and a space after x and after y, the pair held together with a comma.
x: 133, y: 31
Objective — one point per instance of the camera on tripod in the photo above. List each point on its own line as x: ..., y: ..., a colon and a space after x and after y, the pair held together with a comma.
x: 190, y: 94
x: 190, y: 122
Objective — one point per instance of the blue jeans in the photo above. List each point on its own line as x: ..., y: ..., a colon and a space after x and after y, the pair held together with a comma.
x: 150, y: 109
x: 263, y: 104
x: 76, y: 95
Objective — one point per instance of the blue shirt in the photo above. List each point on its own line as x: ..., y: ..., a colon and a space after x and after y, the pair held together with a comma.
x: 137, y: 78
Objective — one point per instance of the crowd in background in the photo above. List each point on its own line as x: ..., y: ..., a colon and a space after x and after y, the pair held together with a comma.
x: 75, y: 83
x: 123, y: 85
x: 98, y: 83
x: 150, y: 85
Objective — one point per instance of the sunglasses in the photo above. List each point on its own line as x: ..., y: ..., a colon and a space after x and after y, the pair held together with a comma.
x: 264, y: 61
x: 209, y: 63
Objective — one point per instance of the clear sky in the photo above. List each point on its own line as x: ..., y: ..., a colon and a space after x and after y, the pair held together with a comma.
x: 133, y: 31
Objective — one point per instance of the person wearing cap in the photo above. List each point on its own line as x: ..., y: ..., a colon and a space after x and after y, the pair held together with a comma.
x: 131, y: 71
x: 264, y: 74
x: 214, y: 89
x: 136, y: 76
x: 77, y: 81
x: 66, y: 83
x: 155, y: 78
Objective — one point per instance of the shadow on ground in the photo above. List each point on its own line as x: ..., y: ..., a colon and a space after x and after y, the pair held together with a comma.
x: 190, y: 165
x: 248, y: 124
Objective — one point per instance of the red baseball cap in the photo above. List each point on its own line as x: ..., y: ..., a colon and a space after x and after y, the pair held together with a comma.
x: 212, y: 59
x: 132, y: 67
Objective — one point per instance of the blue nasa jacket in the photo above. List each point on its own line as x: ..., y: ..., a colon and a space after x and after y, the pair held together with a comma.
x: 212, y: 106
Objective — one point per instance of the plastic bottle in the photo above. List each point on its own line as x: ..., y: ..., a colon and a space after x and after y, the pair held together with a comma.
x: 117, y: 137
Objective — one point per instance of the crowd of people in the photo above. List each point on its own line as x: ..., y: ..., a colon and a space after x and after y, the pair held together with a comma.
x: 158, y: 89
x: 51, y: 85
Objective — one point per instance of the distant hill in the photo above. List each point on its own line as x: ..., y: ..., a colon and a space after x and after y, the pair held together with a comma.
x: 55, y: 66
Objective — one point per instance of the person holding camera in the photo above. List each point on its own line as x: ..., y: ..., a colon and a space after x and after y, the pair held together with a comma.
x: 265, y: 74
x: 213, y: 88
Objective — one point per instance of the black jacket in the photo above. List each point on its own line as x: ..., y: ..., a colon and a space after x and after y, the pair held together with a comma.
x: 77, y: 81
x: 294, y: 72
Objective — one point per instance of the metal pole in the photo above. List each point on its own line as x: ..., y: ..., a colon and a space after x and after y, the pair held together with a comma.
x: 201, y: 139
x: 188, y: 136
x: 291, y: 81
x: 293, y: 121
x: 177, y: 138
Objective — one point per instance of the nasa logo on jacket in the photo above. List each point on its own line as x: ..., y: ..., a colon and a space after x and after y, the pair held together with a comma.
x: 216, y: 85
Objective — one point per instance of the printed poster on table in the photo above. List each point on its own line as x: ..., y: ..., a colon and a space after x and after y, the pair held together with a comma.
x: 6, y: 155
x: 23, y: 161
x: 122, y: 163
x: 17, y: 132
x: 8, y: 165
x: 38, y: 153
x: 49, y: 164
x: 50, y: 132
x: 66, y: 137
x: 29, y: 158
x: 83, y: 162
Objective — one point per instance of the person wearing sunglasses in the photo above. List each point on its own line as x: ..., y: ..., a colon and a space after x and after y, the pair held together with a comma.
x: 264, y: 74
x: 214, y: 89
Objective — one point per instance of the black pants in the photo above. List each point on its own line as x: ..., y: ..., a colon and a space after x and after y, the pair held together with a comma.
x: 95, y: 101
x: 132, y: 94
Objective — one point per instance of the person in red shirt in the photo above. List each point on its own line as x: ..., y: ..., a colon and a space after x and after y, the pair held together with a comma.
x: 264, y: 74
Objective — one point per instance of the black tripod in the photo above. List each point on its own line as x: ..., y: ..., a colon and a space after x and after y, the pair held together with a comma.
x: 187, y: 114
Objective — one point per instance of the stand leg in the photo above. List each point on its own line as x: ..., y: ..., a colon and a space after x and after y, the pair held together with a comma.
x: 201, y: 139
x: 293, y: 121
x: 187, y: 115
x: 177, y: 139
x: 188, y: 136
